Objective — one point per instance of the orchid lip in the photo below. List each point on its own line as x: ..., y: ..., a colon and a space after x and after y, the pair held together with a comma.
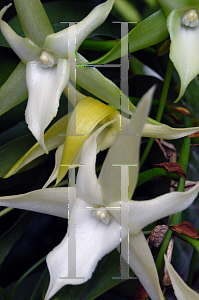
x: 190, y: 18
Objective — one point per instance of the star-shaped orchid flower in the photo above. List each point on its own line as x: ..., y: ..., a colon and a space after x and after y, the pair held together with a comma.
x: 47, y: 57
x: 95, y: 207
x: 183, y: 26
x: 182, y: 291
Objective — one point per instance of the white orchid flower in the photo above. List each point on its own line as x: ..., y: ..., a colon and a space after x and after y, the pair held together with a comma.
x: 95, y: 212
x: 183, y: 26
x: 182, y: 291
x: 48, y: 59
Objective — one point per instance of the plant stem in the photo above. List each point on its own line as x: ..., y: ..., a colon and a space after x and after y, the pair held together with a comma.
x: 165, y: 90
x: 156, y: 172
x: 176, y: 218
x: 160, y: 108
x: 5, y: 211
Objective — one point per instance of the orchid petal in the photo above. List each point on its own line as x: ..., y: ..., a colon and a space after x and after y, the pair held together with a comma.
x: 125, y: 150
x: 51, y: 201
x: 14, y: 90
x: 94, y: 239
x: 97, y: 84
x: 182, y: 291
x: 166, y: 132
x: 88, y: 188
x: 45, y: 86
x: 25, y: 49
x: 160, y: 131
x: 57, y: 43
x: 184, y: 49
x: 142, y: 263
x: 142, y: 213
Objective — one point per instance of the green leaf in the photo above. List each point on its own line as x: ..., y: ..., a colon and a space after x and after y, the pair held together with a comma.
x: 14, y: 90
x: 14, y: 132
x: 8, y: 157
x: 34, y: 20
x: 100, y: 282
x: 8, y: 239
x: 147, y: 33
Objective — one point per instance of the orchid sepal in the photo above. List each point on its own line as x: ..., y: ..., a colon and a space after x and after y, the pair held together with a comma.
x: 182, y: 291
x: 25, y: 49
x: 58, y: 42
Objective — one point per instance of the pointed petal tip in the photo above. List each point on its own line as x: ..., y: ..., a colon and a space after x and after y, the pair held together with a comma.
x: 36, y: 131
x: 4, y: 9
x: 147, y: 98
x: 149, y: 94
x: 181, y: 289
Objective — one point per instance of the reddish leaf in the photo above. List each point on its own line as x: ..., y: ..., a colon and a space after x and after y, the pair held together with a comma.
x: 181, y: 110
x: 140, y: 293
x: 195, y: 134
x: 172, y: 167
x: 186, y: 228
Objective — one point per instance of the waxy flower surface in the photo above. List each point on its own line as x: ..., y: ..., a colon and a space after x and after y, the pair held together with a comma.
x: 95, y: 207
x: 183, y: 26
x: 48, y: 58
x: 182, y: 291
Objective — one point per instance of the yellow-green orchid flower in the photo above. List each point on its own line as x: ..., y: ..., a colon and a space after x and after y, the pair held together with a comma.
x: 182, y: 291
x: 88, y: 114
x: 183, y: 26
x: 92, y: 211
x: 47, y: 57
